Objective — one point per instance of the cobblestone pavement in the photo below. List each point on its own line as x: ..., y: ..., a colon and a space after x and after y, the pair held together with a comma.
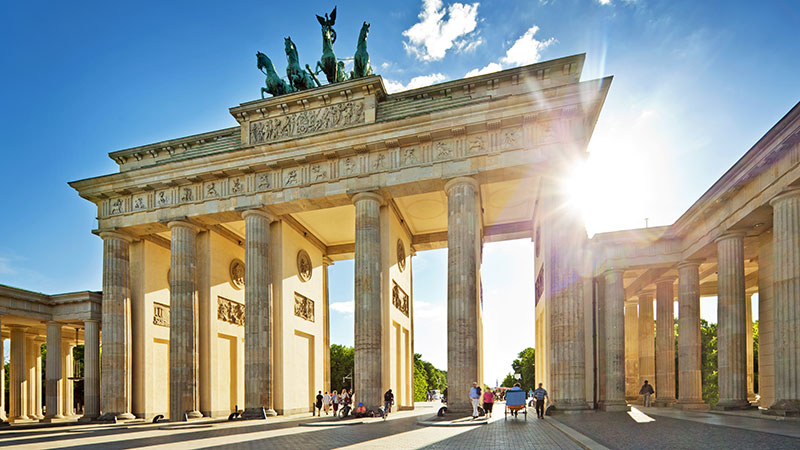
x: 639, y: 430
x: 400, y: 431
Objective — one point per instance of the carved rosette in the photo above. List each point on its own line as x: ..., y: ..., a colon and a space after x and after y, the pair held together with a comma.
x: 161, y: 315
x: 399, y: 298
x: 304, y: 267
x: 236, y: 271
x: 401, y: 255
x: 230, y: 311
x: 303, y: 307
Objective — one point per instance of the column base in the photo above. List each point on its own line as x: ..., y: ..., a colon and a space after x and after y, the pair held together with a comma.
x: 57, y: 419
x: 256, y: 413
x: 569, y: 407
x: 113, y: 417
x: 614, y: 406
x: 194, y: 414
x: 21, y: 419
x: 690, y: 405
x: 731, y: 405
x: 87, y: 419
x: 663, y: 403
x: 784, y: 408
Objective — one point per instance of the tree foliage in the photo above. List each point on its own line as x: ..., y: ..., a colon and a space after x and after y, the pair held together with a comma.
x: 342, y: 365
x: 708, y: 362
x: 427, y: 377
x: 525, y: 365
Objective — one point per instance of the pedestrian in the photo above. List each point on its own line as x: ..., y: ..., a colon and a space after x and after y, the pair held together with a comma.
x: 488, y: 402
x: 540, y: 394
x: 474, y: 398
x: 335, y: 402
x: 318, y: 405
x: 646, y: 391
x: 326, y: 402
x: 388, y: 401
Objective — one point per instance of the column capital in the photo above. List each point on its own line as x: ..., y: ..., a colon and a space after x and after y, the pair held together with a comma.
x: 736, y: 234
x: 613, y: 270
x: 787, y: 193
x: 368, y: 195
x: 326, y: 260
x: 690, y: 263
x: 105, y: 235
x: 183, y: 223
x: 646, y: 294
x: 460, y: 180
x: 668, y: 279
x: 259, y: 212
x: 91, y: 320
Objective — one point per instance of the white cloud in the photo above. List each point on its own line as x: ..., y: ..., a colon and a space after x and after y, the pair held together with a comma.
x: 431, y: 37
x: 343, y: 307
x: 466, y: 46
x: 491, y: 67
x: 527, y: 49
x: 604, y: 2
x: 416, y: 82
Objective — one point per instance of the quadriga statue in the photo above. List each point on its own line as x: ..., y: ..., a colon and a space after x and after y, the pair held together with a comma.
x: 361, y: 66
x: 275, y: 84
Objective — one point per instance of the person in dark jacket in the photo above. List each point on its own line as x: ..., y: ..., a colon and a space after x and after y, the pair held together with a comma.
x: 646, y: 391
x: 388, y: 401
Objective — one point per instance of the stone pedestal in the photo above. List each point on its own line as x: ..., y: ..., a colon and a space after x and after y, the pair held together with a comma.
x: 647, y: 355
x: 258, y: 378
x: 690, y: 388
x: 786, y: 248
x: 631, y: 351
x: 18, y: 386
x: 731, y: 331
x: 463, y: 252
x: 91, y: 370
x: 368, y: 330
x: 614, y: 342
x: 55, y: 373
x: 665, y: 342
x: 116, y: 356
x: 183, y: 322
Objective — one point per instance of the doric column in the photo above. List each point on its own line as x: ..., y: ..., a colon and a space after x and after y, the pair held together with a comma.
x: 91, y: 370
x: 326, y: 324
x: 731, y: 330
x: 463, y: 248
x: 55, y: 373
x: 368, y: 320
x: 68, y: 386
x: 39, y: 376
x: 258, y: 369
x: 183, y: 321
x: 647, y: 352
x: 748, y: 345
x: 2, y: 376
x: 33, y: 357
x: 690, y: 388
x: 615, y: 341
x: 665, y: 342
x: 631, y: 351
x: 786, y: 312
x: 18, y: 386
x: 116, y: 356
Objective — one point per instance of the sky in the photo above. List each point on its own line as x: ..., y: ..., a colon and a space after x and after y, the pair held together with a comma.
x: 696, y: 84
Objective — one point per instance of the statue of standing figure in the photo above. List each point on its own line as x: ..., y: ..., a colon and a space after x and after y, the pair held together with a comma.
x: 327, y: 62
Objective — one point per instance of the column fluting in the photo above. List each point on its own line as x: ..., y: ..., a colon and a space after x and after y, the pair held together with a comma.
x: 615, y: 341
x: 258, y: 368
x: 183, y: 369
x: 91, y: 369
x: 647, y: 355
x: 731, y: 330
x: 368, y: 330
x: 18, y: 386
x: 690, y: 388
x: 463, y: 248
x: 54, y: 373
x: 116, y: 356
x: 665, y: 342
x: 786, y: 245
x: 631, y: 351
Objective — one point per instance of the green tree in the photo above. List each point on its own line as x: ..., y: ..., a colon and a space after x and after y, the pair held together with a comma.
x: 525, y: 366
x: 708, y: 362
x: 342, y: 365
x: 427, y: 377
x: 508, y: 381
x: 755, y: 356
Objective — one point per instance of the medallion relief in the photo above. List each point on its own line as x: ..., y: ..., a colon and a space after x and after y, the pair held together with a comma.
x: 230, y: 311
x: 303, y: 307
x: 236, y: 270
x: 304, y: 267
x: 306, y: 122
x: 401, y: 255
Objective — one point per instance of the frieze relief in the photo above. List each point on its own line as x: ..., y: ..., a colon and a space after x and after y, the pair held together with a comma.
x: 399, y: 298
x: 303, y: 307
x: 307, y: 122
x: 160, y: 315
x: 230, y: 311
x: 211, y: 189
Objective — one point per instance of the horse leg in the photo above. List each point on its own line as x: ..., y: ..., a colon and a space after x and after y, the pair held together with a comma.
x: 262, y: 92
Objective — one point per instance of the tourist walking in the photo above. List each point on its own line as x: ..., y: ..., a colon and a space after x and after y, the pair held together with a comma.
x: 474, y: 398
x: 326, y: 402
x: 488, y: 402
x: 388, y: 401
x: 318, y: 405
x: 646, y: 391
x: 335, y: 402
x: 540, y: 394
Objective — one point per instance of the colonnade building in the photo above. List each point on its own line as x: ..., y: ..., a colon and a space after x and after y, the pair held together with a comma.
x: 216, y: 250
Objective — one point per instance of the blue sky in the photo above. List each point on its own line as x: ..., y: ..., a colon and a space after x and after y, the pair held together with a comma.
x: 695, y: 85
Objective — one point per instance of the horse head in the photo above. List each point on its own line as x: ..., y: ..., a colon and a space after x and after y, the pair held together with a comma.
x: 291, y: 49
x: 362, y: 36
x: 264, y: 62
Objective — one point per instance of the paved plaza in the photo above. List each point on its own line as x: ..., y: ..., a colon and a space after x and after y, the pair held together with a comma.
x: 653, y: 428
